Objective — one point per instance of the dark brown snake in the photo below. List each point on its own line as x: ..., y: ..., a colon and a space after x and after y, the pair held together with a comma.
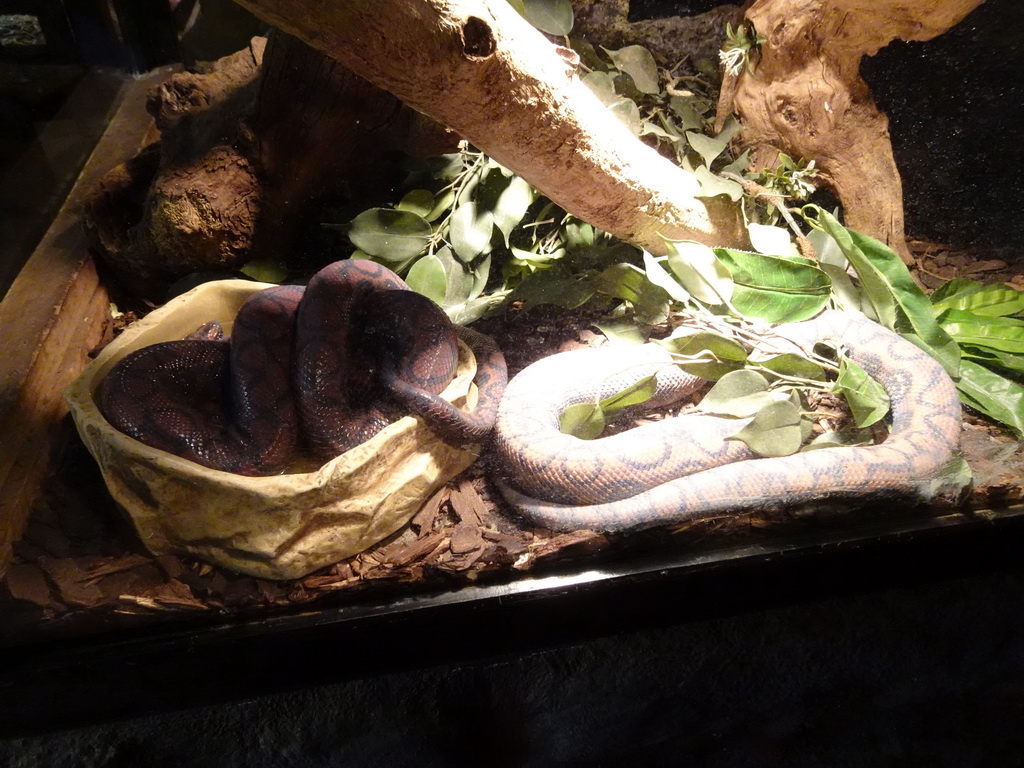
x: 680, y: 469
x: 321, y: 369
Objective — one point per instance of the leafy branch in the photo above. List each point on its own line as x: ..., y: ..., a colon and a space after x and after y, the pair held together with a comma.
x: 473, y: 235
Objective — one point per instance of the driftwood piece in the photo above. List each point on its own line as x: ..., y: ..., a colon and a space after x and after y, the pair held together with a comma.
x: 246, y: 149
x: 190, y: 201
x: 477, y: 67
x: 805, y: 96
x: 697, y: 37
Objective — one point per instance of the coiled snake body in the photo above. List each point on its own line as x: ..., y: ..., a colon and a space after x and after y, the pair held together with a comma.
x: 680, y: 469
x: 325, y: 367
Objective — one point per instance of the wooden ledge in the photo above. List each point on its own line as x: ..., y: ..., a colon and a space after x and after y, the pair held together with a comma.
x: 50, y: 319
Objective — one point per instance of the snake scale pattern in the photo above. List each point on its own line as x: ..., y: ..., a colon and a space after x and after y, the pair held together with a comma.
x: 679, y: 469
x: 320, y: 369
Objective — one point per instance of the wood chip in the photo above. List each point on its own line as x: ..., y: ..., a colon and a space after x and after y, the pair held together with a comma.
x: 557, y: 544
x: 27, y: 581
x: 173, y: 595
x: 172, y: 566
x: 421, y: 547
x: 116, y: 565
x: 71, y: 581
x: 989, y: 265
x: 469, y: 504
x: 466, y: 538
x: 424, y: 519
x: 511, y: 544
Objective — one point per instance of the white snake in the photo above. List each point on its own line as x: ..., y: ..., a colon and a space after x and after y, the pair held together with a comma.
x: 680, y: 469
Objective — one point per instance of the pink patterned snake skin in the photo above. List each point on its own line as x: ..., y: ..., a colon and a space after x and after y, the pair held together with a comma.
x: 679, y: 469
x: 322, y: 369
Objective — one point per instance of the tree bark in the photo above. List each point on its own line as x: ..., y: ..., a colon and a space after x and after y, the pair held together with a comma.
x: 477, y: 67
x: 806, y: 98
x: 697, y: 37
x: 247, y: 151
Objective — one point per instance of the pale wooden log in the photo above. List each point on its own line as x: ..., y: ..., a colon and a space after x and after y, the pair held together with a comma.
x: 477, y: 67
x: 806, y: 97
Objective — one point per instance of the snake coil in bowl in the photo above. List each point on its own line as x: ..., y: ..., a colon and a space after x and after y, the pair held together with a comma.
x: 680, y: 469
x: 321, y: 368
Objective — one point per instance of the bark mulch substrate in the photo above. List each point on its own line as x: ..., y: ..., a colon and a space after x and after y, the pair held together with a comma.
x: 80, y: 569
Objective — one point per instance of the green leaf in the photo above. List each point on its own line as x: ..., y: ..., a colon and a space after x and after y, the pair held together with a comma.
x: 993, y: 358
x: 740, y: 394
x: 706, y: 354
x: 553, y: 287
x: 583, y: 420
x: 587, y: 420
x: 535, y: 260
x: 735, y: 384
x: 708, y: 148
x: 390, y: 235
x: 660, y: 277
x: 897, y: 301
x: 839, y: 440
x: 987, y: 300
x: 1005, y: 334
x: 427, y: 277
x: 739, y: 165
x: 603, y: 86
x: 775, y: 431
x: 441, y: 206
x: 638, y: 392
x: 637, y: 62
x: 590, y: 59
x: 621, y: 332
x: 459, y: 278
x: 791, y: 365
x: 730, y: 128
x: 827, y: 250
x: 627, y: 282
x: 958, y: 285
x: 844, y: 293
x: 652, y: 129
x: 512, y: 204
x: 579, y: 234
x: 418, y: 201
x: 700, y: 271
x: 686, y: 110
x: 712, y: 185
x: 266, y: 270
x: 628, y: 112
x: 867, y: 398
x: 470, y: 231
x: 555, y: 17
x: 771, y: 241
x: 993, y: 395
x: 873, y: 280
x: 444, y: 167
x: 774, y: 288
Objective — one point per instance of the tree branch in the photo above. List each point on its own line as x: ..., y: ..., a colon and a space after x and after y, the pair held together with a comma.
x: 477, y: 67
x: 806, y: 97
